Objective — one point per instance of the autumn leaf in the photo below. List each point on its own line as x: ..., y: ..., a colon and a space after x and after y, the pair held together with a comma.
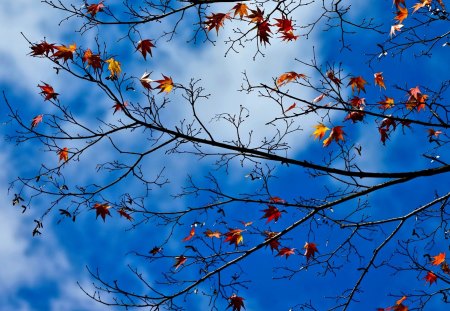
x: 320, y: 131
x: 421, y: 4
x: 402, y: 14
x: 286, y: 251
x: 102, y: 210
x: 438, y: 259
x: 216, y: 20
x: 430, y: 277
x: 246, y: 223
x: 290, y: 76
x: 145, y: 46
x: 236, y: 303
x: 64, y: 52
x: 272, y: 213
x: 63, y: 154
x: 358, y: 102
x: 274, y: 244
x: 123, y: 213
x: 155, y: 250
x: 165, y: 85
x: 284, y: 24
x: 114, y: 68
x: 400, y: 301
x: 276, y: 200
x: 357, y: 83
x: 47, y: 91
x: 445, y: 268
x: 318, y: 98
x: 93, y: 9
x: 355, y: 116
x: 433, y: 133
x: 257, y: 16
x: 387, y: 103
x: 191, y: 235
x: 119, y: 106
x: 212, y: 234
x: 288, y: 36
x: 416, y: 99
x: 145, y: 80
x: 234, y: 236
x: 42, y: 49
x: 291, y: 107
x: 336, y: 133
x: 240, y: 9
x: 333, y: 78
x: 310, y: 250
x: 264, y: 32
x: 395, y: 28
x: 91, y: 59
x: 179, y: 261
x: 398, y: 2
x: 36, y: 120
x: 379, y: 80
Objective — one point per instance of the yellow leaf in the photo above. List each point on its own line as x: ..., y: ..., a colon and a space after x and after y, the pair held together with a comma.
x: 320, y: 131
x: 113, y: 67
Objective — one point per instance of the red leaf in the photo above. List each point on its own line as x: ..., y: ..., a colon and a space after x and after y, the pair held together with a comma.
x: 332, y: 77
x: 93, y: 9
x: 291, y: 107
x: 102, y: 210
x: 48, y: 92
x: 236, y: 303
x: 93, y: 60
x: 145, y: 46
x: 234, y: 236
x: 274, y: 244
x: 64, y: 52
x: 430, y: 277
x: 310, y: 250
x: 119, y: 106
x: 286, y: 251
x: 264, y: 32
x: 179, y: 261
x: 216, y: 20
x: 63, y: 154
x: 43, y: 48
x: 155, y: 250
x: 336, y: 133
x: 272, y: 213
x: 191, y: 234
x: 36, y: 120
x: 124, y: 214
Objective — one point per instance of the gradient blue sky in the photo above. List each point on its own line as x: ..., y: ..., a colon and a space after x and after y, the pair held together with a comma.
x: 40, y: 274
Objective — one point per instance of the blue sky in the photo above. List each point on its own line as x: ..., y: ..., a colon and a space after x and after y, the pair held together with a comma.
x: 43, y: 273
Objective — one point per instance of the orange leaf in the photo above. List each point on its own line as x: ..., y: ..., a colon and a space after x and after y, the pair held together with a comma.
x: 379, y: 80
x: 124, y: 214
x: 63, y: 154
x: 276, y: 200
x: 421, y: 4
x: 290, y: 76
x: 320, y: 131
x: 216, y: 21
x: 437, y: 260
x: 291, y: 107
x: 165, y: 85
x: 336, y: 133
x: 398, y: 2
x: 246, y: 223
x: 36, y: 120
x: 93, y: 60
x: 102, y: 210
x: 48, y: 92
x: 191, y: 234
x: 387, y: 103
x: 400, y: 301
x: 211, y: 234
x: 64, y: 52
x: 402, y: 13
x: 236, y: 303
x: 272, y: 213
x: 234, y: 236
x: 240, y: 9
x: 286, y: 251
x: 179, y: 261
x: 430, y: 277
x: 93, y: 9
x: 310, y: 250
x: 357, y: 83
x: 145, y: 46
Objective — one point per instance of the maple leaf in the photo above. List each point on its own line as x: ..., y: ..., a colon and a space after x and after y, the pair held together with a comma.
x: 398, y: 2
x: 234, y: 236
x: 257, y: 16
x: 416, y: 99
x: 310, y: 250
x: 286, y: 251
x: 336, y: 133
x: 123, y: 213
x: 290, y: 76
x: 240, y: 9
x: 430, y: 277
x: 272, y: 213
x: 42, y: 48
x: 357, y: 83
x: 114, y: 68
x: 355, y: 116
x: 145, y: 46
x: 191, y: 235
x: 93, y: 9
x: 395, y: 28
x: 63, y: 154
x: 212, y: 234
x: 36, y: 120
x: 431, y: 133
x: 438, y: 259
x: 276, y: 200
x: 320, y: 131
x: 165, y: 85
x: 64, y: 52
x: 332, y: 77
x: 379, y: 79
x: 400, y: 301
x: 155, y: 250
x: 387, y: 122
x: 47, y: 91
x: 445, y: 268
x: 402, y: 14
x: 358, y: 102
x: 274, y: 244
x: 288, y: 36
x: 246, y: 223
x: 102, y: 209
x: 91, y: 59
x: 236, y: 303
x: 145, y: 80
x: 119, y: 106
x: 284, y: 24
x: 421, y: 4
x: 387, y: 103
x: 291, y: 107
x: 179, y: 261
x: 264, y: 32
x: 216, y: 20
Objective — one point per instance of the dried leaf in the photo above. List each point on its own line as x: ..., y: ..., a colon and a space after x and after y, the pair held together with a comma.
x: 102, y: 209
x: 145, y: 46
x: 63, y: 154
